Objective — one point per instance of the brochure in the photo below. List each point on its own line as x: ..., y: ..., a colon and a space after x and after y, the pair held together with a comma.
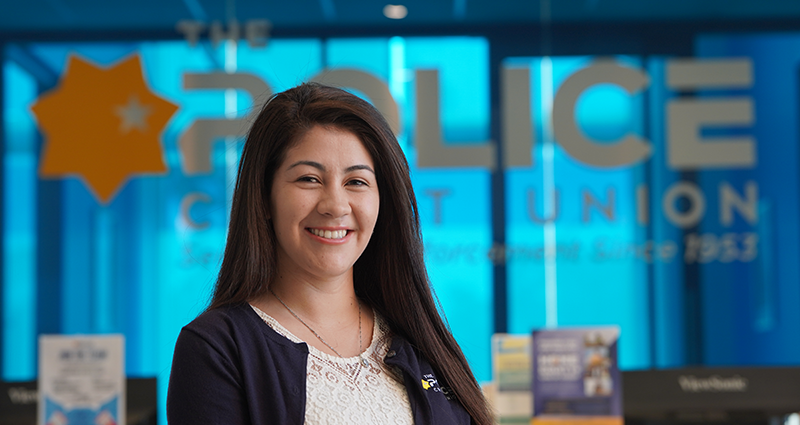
x: 81, y: 380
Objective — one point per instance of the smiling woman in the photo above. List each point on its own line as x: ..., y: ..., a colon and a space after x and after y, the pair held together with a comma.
x: 322, y: 311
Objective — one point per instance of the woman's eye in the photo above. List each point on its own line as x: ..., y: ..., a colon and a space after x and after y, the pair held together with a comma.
x: 357, y: 183
x: 308, y: 179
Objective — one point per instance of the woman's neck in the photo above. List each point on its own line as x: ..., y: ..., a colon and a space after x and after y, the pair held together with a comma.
x: 318, y: 300
x: 329, y: 309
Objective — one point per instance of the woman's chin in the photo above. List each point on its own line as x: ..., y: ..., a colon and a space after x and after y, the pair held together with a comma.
x: 333, y: 271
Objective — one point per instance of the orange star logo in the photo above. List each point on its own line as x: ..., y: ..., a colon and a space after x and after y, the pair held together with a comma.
x: 102, y: 124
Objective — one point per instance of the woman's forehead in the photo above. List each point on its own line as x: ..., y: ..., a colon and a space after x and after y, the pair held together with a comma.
x: 328, y: 146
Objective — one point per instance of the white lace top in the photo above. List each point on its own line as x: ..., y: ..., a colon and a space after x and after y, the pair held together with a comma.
x: 343, y: 391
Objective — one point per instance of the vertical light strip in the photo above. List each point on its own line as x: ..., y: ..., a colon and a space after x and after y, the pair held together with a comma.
x: 231, y: 111
x: 103, y: 299
x: 548, y: 191
x: 19, y: 266
x: 148, y: 292
x: 230, y: 68
x: 398, y: 77
x: 19, y: 228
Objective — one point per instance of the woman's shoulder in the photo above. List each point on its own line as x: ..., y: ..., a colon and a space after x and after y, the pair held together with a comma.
x: 224, y: 323
x: 222, y: 313
x: 228, y: 316
x: 233, y: 325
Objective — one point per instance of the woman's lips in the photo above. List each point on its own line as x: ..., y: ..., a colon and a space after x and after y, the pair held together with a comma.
x: 329, y: 234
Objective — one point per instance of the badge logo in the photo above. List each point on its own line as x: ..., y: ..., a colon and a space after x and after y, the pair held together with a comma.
x: 103, y: 125
x: 430, y: 382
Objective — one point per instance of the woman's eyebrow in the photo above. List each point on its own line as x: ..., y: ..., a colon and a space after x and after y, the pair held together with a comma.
x: 316, y: 165
x: 322, y: 168
x: 359, y: 167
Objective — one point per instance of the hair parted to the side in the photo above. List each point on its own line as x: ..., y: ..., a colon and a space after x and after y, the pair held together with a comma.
x: 390, y: 275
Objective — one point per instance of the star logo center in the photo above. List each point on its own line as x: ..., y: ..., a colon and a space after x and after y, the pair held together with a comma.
x: 133, y: 115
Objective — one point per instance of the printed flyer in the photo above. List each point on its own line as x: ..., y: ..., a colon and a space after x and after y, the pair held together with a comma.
x: 511, y: 360
x: 576, y: 378
x: 81, y: 380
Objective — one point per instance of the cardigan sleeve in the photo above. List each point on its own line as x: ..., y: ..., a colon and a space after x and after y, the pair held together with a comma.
x: 205, y: 385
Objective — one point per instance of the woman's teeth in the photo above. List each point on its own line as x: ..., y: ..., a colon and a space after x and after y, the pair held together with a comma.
x: 329, y: 234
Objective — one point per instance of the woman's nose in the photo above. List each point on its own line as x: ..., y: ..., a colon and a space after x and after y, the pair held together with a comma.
x: 334, y: 202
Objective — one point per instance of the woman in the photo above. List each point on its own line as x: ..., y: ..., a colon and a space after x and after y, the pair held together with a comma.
x: 322, y: 311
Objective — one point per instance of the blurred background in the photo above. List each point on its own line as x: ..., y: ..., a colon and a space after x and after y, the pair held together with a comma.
x: 576, y: 163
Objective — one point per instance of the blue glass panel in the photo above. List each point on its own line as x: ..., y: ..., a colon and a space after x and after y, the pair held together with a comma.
x: 750, y: 301
x: 284, y: 63
x: 572, y: 231
x: 463, y: 65
x: 19, y: 226
x: 367, y: 54
x: 668, y: 315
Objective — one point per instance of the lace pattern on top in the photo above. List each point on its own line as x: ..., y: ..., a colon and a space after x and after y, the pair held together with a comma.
x: 342, y: 390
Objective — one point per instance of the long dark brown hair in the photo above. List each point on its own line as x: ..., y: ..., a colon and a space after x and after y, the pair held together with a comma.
x: 390, y: 275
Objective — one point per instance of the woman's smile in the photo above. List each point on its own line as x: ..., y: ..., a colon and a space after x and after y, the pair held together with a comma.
x: 328, y: 236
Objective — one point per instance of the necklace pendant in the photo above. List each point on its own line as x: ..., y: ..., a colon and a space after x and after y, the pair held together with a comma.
x: 364, y: 362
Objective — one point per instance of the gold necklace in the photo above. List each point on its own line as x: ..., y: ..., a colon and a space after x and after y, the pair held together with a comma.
x: 361, y: 358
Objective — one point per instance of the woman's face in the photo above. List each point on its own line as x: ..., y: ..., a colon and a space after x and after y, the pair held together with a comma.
x: 324, y: 204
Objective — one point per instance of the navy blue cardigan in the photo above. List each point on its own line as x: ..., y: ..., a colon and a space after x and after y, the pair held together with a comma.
x: 230, y: 367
